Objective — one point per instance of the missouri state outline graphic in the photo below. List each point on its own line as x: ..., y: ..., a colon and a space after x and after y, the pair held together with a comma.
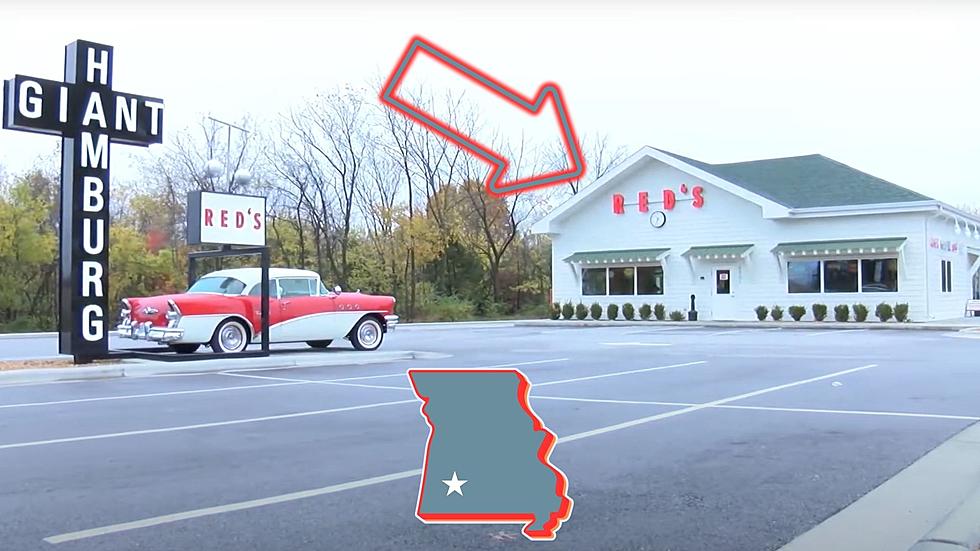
x: 487, y: 458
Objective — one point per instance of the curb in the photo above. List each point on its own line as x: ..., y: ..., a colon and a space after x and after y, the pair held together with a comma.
x: 912, y: 509
x: 830, y: 325
x: 41, y: 335
x: 147, y: 368
x: 960, y: 531
x: 401, y: 325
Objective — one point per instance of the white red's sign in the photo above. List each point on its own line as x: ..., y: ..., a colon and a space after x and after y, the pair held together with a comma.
x: 225, y: 219
x: 668, y: 201
x: 944, y: 245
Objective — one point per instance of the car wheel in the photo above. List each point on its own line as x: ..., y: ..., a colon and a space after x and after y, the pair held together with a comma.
x: 319, y: 344
x: 367, y: 334
x: 185, y: 348
x: 230, y: 336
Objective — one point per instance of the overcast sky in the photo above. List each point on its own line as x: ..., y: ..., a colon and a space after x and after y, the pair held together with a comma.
x: 891, y: 89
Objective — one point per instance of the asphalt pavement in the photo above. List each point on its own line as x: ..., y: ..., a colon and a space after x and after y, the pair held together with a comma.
x: 673, y: 438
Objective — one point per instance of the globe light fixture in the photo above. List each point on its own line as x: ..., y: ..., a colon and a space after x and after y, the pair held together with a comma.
x: 242, y: 177
x: 214, y: 168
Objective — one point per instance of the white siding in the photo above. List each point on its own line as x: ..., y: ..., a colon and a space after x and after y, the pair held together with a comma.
x: 948, y: 305
x: 726, y: 219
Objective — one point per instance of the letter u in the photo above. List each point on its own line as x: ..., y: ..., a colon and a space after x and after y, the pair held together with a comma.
x: 87, y: 244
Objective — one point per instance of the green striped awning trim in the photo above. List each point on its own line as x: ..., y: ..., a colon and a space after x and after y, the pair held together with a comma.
x: 846, y: 246
x: 617, y: 257
x: 718, y: 252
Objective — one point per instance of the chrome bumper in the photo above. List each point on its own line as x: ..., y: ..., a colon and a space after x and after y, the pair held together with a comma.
x: 147, y: 332
x: 391, y: 321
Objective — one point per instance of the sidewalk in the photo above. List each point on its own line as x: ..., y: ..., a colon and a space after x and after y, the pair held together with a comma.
x: 145, y: 368
x: 932, y: 505
x: 942, y: 325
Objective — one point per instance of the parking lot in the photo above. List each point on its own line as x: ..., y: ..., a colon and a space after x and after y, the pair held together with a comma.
x: 672, y: 437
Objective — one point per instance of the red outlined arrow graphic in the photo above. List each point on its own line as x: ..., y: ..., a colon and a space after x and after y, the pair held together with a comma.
x: 498, y: 163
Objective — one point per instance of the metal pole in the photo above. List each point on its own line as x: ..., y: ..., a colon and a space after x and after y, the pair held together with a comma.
x: 231, y: 175
x: 265, y: 299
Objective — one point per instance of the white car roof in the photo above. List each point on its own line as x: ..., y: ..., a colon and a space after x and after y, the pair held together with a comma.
x: 253, y: 276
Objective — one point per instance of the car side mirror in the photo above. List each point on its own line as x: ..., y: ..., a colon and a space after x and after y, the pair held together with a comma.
x: 337, y: 289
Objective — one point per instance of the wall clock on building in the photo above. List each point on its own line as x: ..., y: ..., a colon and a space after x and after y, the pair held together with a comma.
x: 658, y: 219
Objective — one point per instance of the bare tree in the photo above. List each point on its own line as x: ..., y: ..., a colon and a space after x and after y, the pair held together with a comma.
x: 599, y: 157
x: 323, y: 148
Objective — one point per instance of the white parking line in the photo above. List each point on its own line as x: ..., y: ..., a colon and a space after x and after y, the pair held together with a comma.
x: 768, y: 408
x: 617, y: 374
x: 833, y: 332
x: 690, y: 409
x: 202, y: 425
x: 148, y: 395
x: 241, y: 505
x: 635, y: 343
x: 283, y: 498
x: 314, y: 381
x: 733, y: 332
x: 286, y: 382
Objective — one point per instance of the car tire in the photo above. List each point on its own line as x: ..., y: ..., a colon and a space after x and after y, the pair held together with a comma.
x: 367, y: 334
x: 319, y: 344
x: 230, y: 336
x: 185, y: 348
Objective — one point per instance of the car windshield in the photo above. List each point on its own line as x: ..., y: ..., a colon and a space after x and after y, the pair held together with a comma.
x: 222, y: 285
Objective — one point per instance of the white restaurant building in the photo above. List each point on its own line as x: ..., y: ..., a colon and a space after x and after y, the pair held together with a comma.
x: 659, y: 228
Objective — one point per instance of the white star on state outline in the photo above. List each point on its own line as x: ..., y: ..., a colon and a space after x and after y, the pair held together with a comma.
x: 455, y: 485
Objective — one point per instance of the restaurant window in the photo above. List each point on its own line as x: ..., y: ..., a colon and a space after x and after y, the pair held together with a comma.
x: 593, y: 281
x: 650, y: 280
x: 947, y: 276
x: 621, y: 281
x: 804, y: 277
x: 879, y: 275
x: 840, y: 276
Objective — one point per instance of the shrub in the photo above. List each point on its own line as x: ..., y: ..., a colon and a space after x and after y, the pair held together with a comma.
x: 660, y: 311
x: 567, y: 311
x: 628, y: 311
x: 776, y: 313
x: 581, y: 311
x: 446, y: 309
x: 676, y: 315
x: 555, y: 311
x: 595, y: 310
x: 612, y: 311
x: 902, y: 312
x: 761, y: 312
x: 842, y: 312
x: 797, y: 312
x: 884, y: 311
x: 645, y: 311
x: 860, y: 312
x: 819, y: 312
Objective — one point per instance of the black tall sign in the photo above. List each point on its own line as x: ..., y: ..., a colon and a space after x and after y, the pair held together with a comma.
x: 89, y: 115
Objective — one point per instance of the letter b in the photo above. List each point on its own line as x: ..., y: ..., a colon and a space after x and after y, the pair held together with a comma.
x: 92, y: 189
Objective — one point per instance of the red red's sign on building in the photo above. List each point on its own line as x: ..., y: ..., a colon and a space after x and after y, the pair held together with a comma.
x: 669, y: 199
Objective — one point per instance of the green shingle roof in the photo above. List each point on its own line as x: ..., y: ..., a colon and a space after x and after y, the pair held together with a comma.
x: 718, y: 251
x: 808, y: 181
x: 622, y: 257
x: 844, y: 246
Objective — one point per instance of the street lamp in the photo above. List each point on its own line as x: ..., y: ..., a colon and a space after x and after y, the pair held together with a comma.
x: 214, y: 169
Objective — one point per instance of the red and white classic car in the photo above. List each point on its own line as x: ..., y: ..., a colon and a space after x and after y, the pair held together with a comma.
x: 223, y: 309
